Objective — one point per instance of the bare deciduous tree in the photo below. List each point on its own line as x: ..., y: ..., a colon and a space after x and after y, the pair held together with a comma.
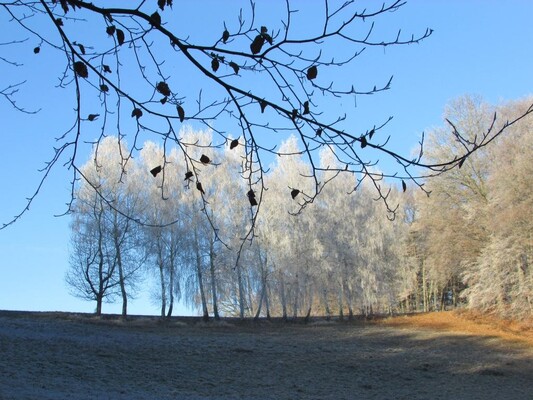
x: 474, y: 231
x: 134, y: 72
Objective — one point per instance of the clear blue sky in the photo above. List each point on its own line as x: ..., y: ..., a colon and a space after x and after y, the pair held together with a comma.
x: 479, y: 47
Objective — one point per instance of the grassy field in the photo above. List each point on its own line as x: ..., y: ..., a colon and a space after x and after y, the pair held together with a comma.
x: 426, y: 356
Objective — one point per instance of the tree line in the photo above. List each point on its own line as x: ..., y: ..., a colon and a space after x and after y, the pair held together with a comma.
x: 182, y: 226
x: 472, y: 238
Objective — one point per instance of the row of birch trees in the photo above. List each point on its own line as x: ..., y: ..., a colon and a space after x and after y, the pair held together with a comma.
x: 188, y: 237
x: 181, y: 227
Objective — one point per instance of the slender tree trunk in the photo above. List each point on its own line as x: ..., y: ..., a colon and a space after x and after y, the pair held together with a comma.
x: 443, y: 300
x: 296, y: 295
x: 454, y: 292
x: 264, y: 282
x: 213, y: 280
x: 424, y: 288
x: 121, y: 277
x: 163, y: 285
x: 170, y: 307
x: 326, y: 303
x: 283, y: 297
x: 200, y: 276
x: 250, y: 292
x: 241, y: 291
x: 101, y: 287
x: 205, y: 312
x: 171, y: 282
x: 267, y: 301
x: 122, y: 283
x: 341, y: 302
x: 434, y: 291
x: 258, y: 312
x: 263, y: 287
x: 349, y: 299
x: 310, y: 306
x: 416, y: 307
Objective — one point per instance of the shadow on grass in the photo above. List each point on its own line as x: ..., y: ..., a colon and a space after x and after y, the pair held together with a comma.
x: 60, y: 356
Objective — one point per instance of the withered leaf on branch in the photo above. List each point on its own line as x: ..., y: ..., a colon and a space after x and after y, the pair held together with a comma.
x: 215, y: 64
x: 163, y: 88
x: 163, y: 100
x: 36, y: 50
x: 312, y: 72
x: 257, y: 44
x: 104, y: 88
x: 363, y: 142
x: 204, y: 159
x: 155, y: 19
x: 59, y: 22
x: 65, y: 3
x: 371, y: 133
x: 81, y: 47
x: 319, y: 132
x: 404, y: 186
x: 93, y: 117
x: 120, y: 37
x: 106, y: 68
x: 251, y: 198
x: 199, y: 187
x: 306, y: 108
x: 64, y: 6
x: 137, y: 112
x: 461, y: 162
x: 235, y: 67
x: 156, y: 170
x: 181, y: 113
x: 188, y: 175
x: 294, y: 193
x: 253, y: 201
x: 225, y: 36
x: 81, y: 69
x: 234, y: 143
x: 110, y: 30
x: 163, y: 3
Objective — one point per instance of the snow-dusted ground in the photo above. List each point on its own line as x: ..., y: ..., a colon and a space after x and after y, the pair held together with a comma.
x: 59, y: 356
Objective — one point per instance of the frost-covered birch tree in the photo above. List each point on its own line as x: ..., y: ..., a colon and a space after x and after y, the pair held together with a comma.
x: 98, y: 223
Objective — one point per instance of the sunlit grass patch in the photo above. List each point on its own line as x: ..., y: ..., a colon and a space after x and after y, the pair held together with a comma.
x: 468, y: 322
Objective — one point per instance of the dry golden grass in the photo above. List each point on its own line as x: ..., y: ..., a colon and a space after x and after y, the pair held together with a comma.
x: 469, y: 323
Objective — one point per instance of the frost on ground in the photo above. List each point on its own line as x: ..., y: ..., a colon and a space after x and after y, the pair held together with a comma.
x: 67, y: 356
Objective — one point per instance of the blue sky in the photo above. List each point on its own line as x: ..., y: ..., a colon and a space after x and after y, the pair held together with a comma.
x: 478, y: 47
